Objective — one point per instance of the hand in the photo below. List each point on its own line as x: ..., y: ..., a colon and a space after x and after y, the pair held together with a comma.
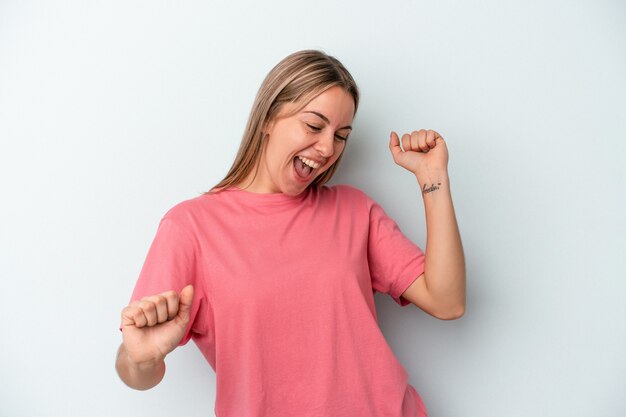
x: 154, y: 326
x: 425, y: 152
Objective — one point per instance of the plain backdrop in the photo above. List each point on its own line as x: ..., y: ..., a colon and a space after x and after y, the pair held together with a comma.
x: 111, y: 112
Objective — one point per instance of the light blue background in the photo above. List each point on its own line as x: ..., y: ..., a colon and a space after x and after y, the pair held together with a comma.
x: 111, y: 112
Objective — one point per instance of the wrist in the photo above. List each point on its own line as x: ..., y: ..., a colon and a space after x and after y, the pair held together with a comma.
x: 141, y: 363
x: 432, y: 180
x: 139, y: 375
x: 145, y: 375
x: 149, y: 365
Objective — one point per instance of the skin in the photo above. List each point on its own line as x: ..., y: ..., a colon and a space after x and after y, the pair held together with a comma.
x: 317, y: 132
x: 440, y: 290
x: 155, y: 325
x: 151, y: 328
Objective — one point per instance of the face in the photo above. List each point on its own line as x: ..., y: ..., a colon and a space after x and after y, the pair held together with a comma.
x: 300, y: 147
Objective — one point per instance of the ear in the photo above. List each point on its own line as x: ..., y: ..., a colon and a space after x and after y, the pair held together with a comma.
x: 267, y: 127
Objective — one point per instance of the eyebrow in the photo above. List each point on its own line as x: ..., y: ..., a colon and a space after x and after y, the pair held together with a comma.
x: 324, y: 118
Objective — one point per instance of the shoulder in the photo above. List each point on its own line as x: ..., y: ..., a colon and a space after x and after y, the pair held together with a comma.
x: 183, y: 208
x: 346, y: 194
x: 352, y: 203
x: 191, y: 212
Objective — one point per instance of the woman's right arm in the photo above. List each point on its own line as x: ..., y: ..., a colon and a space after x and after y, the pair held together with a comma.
x: 151, y: 328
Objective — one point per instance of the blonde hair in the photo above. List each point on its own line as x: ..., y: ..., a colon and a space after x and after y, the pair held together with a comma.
x: 297, y: 79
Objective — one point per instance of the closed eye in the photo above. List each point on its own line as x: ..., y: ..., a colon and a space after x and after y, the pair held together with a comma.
x: 318, y: 129
x: 314, y: 128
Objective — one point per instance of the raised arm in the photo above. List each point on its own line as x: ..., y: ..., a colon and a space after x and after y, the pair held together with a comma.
x: 441, y: 290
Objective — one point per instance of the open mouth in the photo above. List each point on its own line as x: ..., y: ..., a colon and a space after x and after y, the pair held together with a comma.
x: 304, y: 167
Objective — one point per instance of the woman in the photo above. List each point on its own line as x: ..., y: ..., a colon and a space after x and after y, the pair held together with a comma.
x: 273, y: 274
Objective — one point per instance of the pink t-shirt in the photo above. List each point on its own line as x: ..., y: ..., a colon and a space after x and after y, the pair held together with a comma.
x: 284, y: 306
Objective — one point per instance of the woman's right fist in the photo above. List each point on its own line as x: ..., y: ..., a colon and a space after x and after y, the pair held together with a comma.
x: 154, y: 326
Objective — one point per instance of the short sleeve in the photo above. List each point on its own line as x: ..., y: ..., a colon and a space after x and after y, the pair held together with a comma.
x: 170, y: 265
x: 395, y: 262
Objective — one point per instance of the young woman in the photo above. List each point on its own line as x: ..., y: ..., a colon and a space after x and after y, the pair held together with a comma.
x: 273, y: 274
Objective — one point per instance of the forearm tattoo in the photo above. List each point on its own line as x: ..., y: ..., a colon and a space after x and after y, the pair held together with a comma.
x: 430, y: 189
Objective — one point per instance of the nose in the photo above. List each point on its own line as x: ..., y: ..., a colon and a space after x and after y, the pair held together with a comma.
x: 325, y: 145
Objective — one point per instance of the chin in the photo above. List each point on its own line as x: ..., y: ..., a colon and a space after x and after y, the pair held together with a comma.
x: 294, y: 192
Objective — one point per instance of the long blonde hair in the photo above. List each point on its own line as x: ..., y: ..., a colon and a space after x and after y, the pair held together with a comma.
x: 298, y: 78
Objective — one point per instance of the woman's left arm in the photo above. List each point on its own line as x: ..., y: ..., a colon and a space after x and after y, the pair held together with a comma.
x: 441, y: 290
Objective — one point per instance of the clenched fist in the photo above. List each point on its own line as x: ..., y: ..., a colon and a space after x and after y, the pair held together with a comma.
x: 154, y: 326
x: 425, y: 152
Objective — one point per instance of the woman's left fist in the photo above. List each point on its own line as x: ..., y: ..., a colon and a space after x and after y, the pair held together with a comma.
x: 424, y: 152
